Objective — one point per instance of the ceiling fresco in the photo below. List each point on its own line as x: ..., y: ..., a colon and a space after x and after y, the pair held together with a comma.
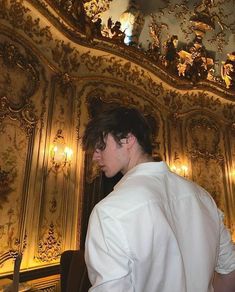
x: 185, y: 41
x: 193, y: 39
x: 175, y: 18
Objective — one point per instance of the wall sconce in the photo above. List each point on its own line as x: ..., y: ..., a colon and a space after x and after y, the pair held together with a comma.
x: 180, y: 170
x: 232, y: 174
x: 60, y: 154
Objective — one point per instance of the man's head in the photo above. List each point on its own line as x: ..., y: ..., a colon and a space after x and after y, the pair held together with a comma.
x: 115, y: 137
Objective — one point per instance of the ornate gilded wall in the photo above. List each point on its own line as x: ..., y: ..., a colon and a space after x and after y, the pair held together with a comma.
x: 51, y: 79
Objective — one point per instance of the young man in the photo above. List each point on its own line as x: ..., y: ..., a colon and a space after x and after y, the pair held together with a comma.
x: 156, y: 231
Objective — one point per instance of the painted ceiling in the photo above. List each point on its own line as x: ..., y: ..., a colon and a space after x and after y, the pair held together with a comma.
x: 174, y: 18
x: 187, y: 41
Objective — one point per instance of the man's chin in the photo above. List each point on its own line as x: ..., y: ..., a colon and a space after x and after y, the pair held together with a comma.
x: 109, y: 175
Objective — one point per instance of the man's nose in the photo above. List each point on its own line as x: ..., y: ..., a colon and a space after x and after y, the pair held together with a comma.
x: 96, y: 155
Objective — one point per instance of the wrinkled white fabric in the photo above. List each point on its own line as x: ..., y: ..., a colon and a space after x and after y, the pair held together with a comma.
x: 156, y: 232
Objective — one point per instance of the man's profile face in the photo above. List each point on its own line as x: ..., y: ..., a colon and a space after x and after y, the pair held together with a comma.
x: 113, y: 158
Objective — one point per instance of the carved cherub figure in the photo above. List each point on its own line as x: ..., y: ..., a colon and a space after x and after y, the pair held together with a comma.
x: 171, y: 56
x: 97, y: 27
x: 182, y: 68
x: 117, y: 34
x: 228, y: 70
x: 113, y: 31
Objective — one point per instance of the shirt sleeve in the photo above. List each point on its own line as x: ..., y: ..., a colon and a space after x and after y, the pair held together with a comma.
x: 226, y: 255
x: 106, y: 255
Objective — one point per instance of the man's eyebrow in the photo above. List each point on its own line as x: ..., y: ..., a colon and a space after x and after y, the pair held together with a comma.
x: 100, y: 145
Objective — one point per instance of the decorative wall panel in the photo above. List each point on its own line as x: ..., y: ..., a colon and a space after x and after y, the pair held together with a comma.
x: 207, y: 155
x: 55, y: 194
x: 18, y: 120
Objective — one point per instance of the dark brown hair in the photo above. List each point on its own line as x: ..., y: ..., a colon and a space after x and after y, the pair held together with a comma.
x: 119, y: 122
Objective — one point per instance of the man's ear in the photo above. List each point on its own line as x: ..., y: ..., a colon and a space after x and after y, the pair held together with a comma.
x: 130, y: 140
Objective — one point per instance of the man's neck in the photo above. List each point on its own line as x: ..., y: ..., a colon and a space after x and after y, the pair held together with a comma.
x: 137, y: 159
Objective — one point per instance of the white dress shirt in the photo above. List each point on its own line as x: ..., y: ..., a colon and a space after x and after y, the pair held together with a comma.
x: 156, y: 232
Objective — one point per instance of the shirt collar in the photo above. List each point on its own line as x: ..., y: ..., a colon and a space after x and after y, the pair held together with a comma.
x: 145, y: 168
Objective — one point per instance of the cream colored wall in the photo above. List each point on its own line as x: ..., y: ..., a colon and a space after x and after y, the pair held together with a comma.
x: 47, y: 81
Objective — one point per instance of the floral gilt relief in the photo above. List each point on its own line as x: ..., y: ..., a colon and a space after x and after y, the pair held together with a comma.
x: 6, y: 180
x: 10, y: 155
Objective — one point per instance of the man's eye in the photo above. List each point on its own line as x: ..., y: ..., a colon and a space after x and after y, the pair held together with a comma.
x: 100, y: 147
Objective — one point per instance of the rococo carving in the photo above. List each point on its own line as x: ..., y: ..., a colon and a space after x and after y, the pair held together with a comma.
x: 49, y: 246
x: 66, y: 56
x: 14, y: 60
x: 65, y: 83
x: 24, y: 114
x: 19, y: 16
